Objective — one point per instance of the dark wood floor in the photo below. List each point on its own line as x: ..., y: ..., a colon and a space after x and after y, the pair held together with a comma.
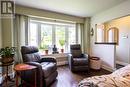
x: 68, y: 79
x: 118, y: 66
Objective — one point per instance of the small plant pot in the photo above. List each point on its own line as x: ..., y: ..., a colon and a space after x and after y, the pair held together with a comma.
x: 6, y: 60
x: 62, y: 50
x: 46, y: 51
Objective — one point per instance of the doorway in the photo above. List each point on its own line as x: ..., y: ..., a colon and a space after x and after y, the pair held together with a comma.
x: 123, y: 45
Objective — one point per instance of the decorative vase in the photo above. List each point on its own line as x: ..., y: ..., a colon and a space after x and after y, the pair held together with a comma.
x: 46, y: 52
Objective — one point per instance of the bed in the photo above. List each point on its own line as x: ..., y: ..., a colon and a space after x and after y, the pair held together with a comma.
x: 119, y: 78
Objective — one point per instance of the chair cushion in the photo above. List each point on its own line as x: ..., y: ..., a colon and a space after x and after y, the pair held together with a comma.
x: 80, y: 61
x: 30, y: 54
x: 34, y: 57
x: 48, y: 68
x: 76, y: 53
x: 29, y: 49
x: 76, y: 50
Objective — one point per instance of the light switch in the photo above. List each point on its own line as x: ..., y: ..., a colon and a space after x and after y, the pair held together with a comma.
x: 125, y: 37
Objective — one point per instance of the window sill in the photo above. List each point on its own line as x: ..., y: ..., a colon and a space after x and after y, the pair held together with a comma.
x: 58, y: 55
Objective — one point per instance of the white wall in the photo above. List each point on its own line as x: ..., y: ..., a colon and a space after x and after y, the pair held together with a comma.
x: 47, y: 14
x: 7, y: 31
x: 107, y: 55
x: 123, y: 47
x: 120, y: 10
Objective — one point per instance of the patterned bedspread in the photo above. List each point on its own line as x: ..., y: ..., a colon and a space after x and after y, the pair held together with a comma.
x: 119, y: 78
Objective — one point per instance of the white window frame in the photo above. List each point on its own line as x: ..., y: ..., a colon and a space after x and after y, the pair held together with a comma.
x: 54, y: 33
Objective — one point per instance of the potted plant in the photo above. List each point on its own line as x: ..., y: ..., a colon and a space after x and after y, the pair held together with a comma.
x: 7, y: 54
x: 44, y: 48
x: 62, y: 43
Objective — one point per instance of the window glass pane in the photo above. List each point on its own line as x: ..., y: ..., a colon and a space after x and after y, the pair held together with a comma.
x: 33, y: 34
x: 46, y: 37
x: 72, y: 35
x: 60, y: 37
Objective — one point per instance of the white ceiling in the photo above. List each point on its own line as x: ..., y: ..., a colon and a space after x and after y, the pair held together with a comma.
x: 83, y: 8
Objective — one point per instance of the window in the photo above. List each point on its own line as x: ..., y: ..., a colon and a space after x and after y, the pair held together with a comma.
x: 60, y: 35
x: 33, y: 34
x: 47, y: 34
x: 72, y: 34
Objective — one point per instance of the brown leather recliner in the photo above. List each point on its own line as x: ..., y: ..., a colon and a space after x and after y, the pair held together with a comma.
x: 46, y: 67
x: 77, y: 60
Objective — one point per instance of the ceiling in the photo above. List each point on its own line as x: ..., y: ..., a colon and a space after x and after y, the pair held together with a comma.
x: 82, y: 8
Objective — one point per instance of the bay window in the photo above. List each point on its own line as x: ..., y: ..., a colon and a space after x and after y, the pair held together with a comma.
x: 47, y: 34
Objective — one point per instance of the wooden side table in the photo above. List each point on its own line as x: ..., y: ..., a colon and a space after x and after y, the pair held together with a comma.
x: 24, y: 67
x: 7, y: 77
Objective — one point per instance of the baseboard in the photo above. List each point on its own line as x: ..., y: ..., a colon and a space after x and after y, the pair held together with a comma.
x: 107, y: 68
x: 122, y: 63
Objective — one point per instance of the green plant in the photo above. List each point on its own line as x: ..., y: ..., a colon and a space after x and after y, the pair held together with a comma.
x: 7, y: 52
x: 43, y: 47
x: 62, y: 42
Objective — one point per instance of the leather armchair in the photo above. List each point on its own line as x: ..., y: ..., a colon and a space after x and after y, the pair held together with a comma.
x: 77, y: 60
x: 46, y: 67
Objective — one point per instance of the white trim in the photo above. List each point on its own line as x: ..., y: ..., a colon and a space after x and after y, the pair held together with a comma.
x: 115, y: 58
x: 38, y: 34
x: 38, y: 37
x: 122, y: 63
x: 54, y: 21
x: 108, y: 68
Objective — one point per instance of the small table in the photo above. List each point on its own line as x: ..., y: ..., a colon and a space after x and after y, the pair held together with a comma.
x: 6, y: 74
x: 24, y: 67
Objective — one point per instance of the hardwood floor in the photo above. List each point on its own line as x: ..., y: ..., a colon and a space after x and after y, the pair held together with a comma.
x: 68, y: 79
x: 118, y: 66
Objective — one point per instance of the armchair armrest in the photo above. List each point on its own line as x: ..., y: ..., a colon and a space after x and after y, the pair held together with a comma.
x: 88, y: 58
x: 70, y: 56
x: 48, y: 59
x: 38, y: 65
x: 85, y: 55
x: 70, y: 61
